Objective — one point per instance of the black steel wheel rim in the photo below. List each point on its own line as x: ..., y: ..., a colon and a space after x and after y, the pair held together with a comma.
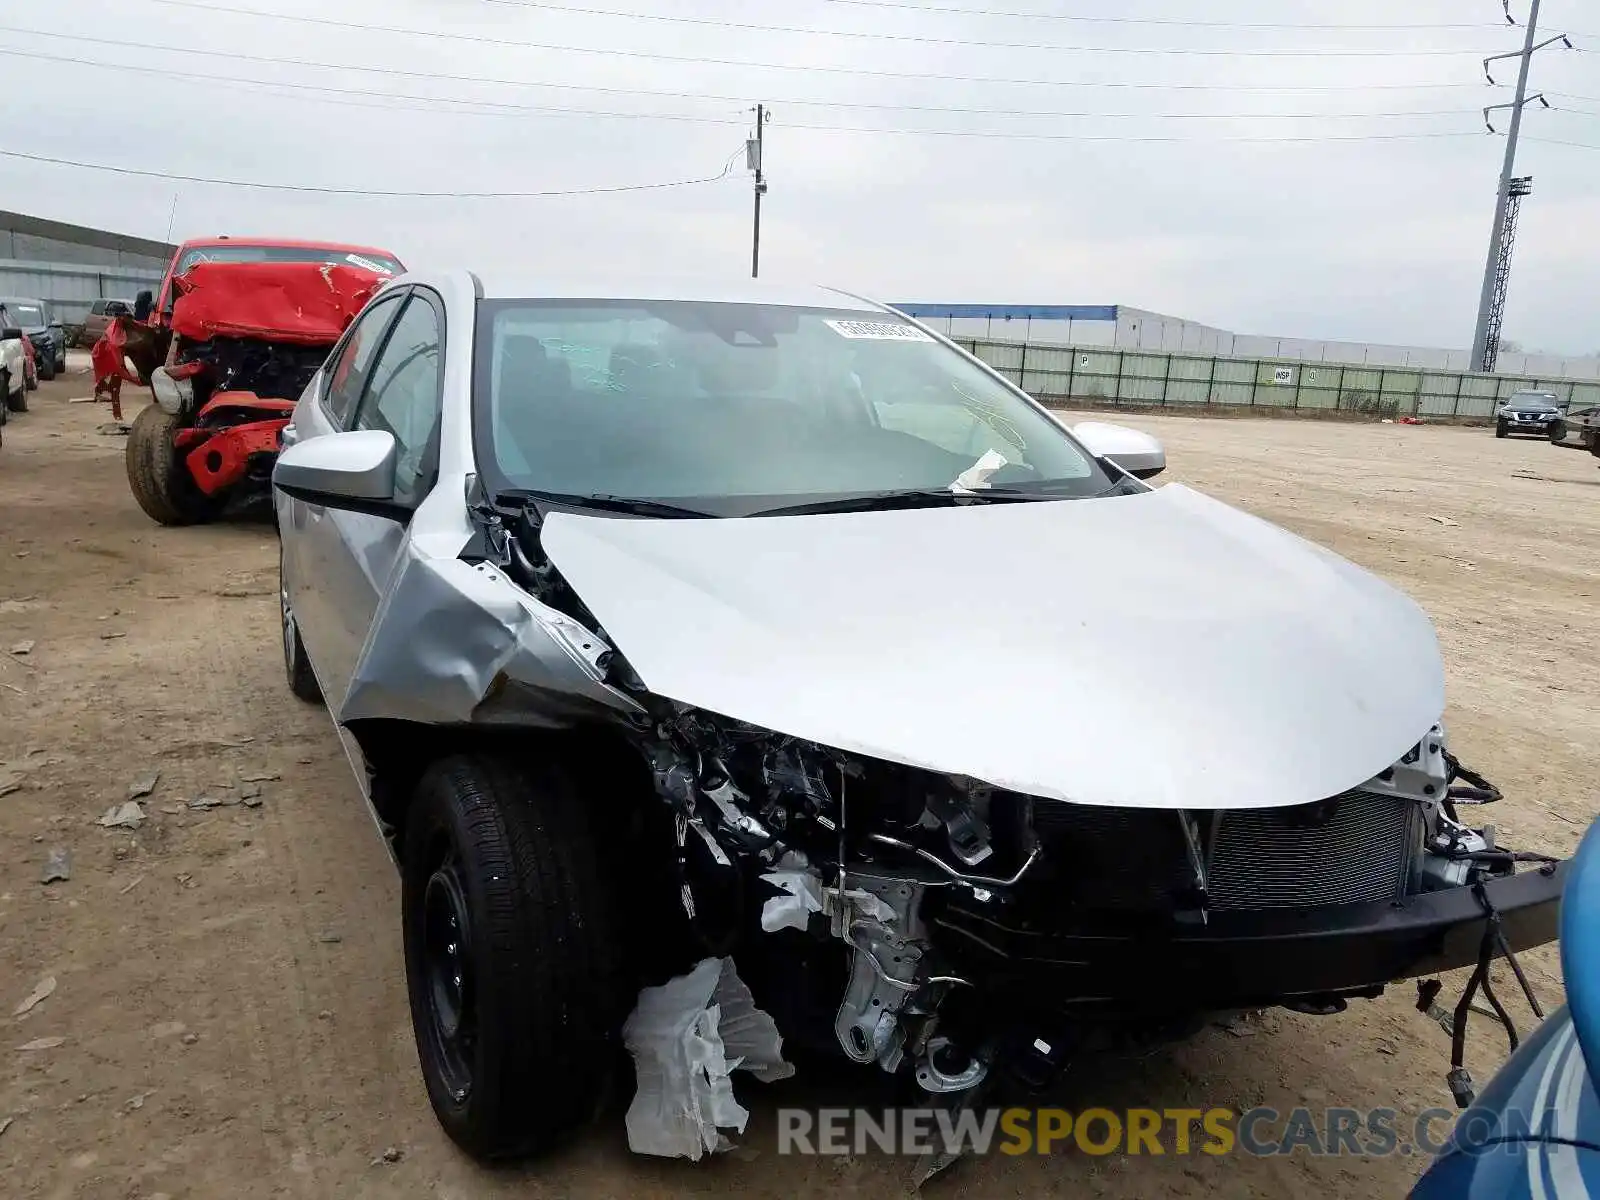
x: 447, y: 975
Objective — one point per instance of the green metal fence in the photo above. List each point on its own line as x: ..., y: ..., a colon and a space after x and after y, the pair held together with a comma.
x: 1136, y: 377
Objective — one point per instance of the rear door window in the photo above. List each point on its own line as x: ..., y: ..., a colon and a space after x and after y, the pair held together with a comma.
x: 348, y: 372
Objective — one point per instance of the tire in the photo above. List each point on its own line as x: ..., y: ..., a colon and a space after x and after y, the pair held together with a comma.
x: 1558, y: 432
x: 296, y: 666
x: 47, y: 367
x: 160, y: 482
x: 1500, y: 429
x: 1594, y: 443
x: 19, y: 402
x: 506, y: 853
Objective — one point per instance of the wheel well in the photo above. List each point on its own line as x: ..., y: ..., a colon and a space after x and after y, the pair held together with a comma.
x: 398, y: 752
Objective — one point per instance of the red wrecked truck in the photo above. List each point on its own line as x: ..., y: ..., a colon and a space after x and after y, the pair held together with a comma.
x: 238, y: 330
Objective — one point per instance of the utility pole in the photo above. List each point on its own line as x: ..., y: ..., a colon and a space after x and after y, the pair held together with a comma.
x: 1483, y: 354
x: 752, y: 151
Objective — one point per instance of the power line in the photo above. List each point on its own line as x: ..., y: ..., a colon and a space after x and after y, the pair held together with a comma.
x: 484, y: 39
x: 1182, y: 22
x: 508, y: 109
x: 874, y: 35
x: 1559, y: 142
x: 1169, y: 22
x: 203, y: 52
x: 334, y: 191
x: 1126, y: 140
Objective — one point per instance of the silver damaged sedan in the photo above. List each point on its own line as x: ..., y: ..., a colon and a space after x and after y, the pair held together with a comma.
x: 669, y: 623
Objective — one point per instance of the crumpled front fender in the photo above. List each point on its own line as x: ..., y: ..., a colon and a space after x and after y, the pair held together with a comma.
x: 456, y: 642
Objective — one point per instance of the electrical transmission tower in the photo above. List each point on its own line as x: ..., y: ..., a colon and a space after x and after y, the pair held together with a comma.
x: 1497, y: 271
x: 1502, y: 271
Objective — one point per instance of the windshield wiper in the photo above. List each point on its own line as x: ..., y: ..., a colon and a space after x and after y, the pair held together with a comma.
x: 621, y: 504
x: 907, y: 498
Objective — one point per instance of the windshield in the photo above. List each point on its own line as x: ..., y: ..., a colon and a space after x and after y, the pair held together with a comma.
x: 29, y: 316
x: 243, y: 252
x: 1533, y: 400
x: 732, y: 409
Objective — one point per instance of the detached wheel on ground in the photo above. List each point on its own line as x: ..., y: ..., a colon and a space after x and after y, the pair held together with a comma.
x: 160, y: 482
x: 511, y: 962
x: 296, y: 666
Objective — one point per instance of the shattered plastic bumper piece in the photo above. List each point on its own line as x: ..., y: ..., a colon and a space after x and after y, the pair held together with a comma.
x: 687, y: 1037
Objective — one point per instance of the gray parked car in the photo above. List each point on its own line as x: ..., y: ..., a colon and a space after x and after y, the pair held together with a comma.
x: 671, y: 628
x: 1538, y: 413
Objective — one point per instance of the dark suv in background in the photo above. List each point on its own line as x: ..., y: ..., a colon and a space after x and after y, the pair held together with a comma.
x: 1538, y: 413
x: 41, y: 327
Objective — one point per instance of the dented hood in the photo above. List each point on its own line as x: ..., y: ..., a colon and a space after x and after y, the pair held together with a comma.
x: 305, y: 303
x: 1160, y: 650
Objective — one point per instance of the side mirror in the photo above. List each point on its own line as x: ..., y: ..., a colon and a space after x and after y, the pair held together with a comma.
x: 351, y: 471
x: 1139, y: 454
x: 10, y: 333
x: 143, y: 303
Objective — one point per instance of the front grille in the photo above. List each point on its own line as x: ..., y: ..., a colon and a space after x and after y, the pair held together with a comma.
x: 1351, y: 849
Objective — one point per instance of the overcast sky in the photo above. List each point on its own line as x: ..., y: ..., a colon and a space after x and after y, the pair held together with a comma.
x: 1356, y: 238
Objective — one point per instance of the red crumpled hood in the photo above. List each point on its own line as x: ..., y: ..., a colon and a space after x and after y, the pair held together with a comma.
x: 305, y: 303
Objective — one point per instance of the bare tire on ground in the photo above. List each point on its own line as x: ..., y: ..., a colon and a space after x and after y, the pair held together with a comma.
x: 511, y: 963
x: 160, y: 482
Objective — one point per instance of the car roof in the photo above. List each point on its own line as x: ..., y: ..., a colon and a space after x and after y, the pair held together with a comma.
x: 521, y: 285
x: 295, y: 243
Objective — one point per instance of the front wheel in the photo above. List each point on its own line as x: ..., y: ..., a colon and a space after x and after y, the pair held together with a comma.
x: 1558, y: 432
x: 17, y: 401
x: 510, y: 954
x: 1500, y: 429
x: 296, y: 664
x: 159, y: 479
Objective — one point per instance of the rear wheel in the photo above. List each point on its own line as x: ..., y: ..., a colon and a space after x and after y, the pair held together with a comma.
x: 160, y: 481
x: 510, y: 954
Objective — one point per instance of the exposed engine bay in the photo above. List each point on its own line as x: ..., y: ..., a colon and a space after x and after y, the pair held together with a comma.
x: 939, y: 927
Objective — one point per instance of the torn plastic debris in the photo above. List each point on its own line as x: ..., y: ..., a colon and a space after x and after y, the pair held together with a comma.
x: 687, y: 1037
x: 805, y: 894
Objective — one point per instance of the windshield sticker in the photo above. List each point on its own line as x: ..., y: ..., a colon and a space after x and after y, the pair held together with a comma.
x: 376, y: 268
x: 877, y: 331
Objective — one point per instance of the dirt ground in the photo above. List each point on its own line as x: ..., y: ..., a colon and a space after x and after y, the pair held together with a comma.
x: 229, y: 981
